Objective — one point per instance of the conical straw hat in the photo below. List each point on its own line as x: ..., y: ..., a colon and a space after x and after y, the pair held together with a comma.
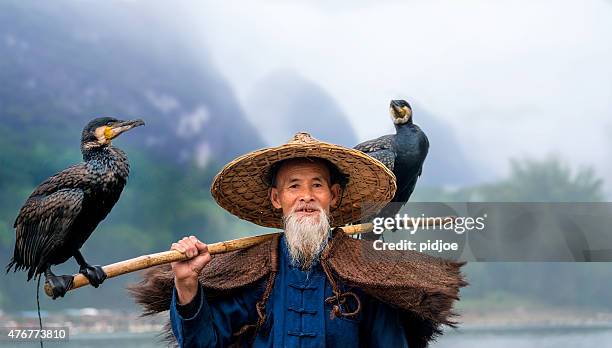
x: 242, y: 186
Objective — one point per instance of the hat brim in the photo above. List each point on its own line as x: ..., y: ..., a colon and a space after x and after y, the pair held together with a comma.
x: 242, y: 187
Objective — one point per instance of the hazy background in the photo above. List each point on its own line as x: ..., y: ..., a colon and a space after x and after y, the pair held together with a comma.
x: 515, y: 96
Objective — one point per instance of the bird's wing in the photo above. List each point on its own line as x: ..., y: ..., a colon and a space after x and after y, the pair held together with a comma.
x: 399, y: 200
x: 382, y: 143
x: 405, y: 194
x: 42, y: 224
x: 380, y: 148
x: 71, y: 177
x: 387, y: 157
x: 425, y: 148
x: 425, y: 152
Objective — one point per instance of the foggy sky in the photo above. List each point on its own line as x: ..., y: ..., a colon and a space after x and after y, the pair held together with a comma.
x: 511, y: 78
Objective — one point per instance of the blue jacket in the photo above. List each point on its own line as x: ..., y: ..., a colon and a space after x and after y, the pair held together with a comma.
x: 296, y: 315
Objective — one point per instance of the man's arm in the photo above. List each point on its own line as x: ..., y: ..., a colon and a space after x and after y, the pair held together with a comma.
x: 202, y: 323
x: 196, y: 322
x: 192, y: 329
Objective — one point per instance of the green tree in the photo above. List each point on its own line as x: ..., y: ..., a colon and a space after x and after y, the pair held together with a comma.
x: 496, y: 285
x: 548, y: 180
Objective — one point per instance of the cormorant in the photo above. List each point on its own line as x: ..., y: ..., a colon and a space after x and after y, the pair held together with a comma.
x: 65, y: 209
x: 403, y: 153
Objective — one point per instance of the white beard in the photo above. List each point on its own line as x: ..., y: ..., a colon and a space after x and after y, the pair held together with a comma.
x: 306, y: 236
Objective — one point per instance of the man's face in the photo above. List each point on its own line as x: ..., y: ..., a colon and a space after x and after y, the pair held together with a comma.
x: 303, y: 186
x: 304, y: 193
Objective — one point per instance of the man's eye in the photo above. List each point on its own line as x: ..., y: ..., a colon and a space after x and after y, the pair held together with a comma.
x: 293, y: 186
x: 318, y: 185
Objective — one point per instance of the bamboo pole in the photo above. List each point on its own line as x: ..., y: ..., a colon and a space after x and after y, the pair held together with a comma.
x: 164, y: 257
x: 147, y: 261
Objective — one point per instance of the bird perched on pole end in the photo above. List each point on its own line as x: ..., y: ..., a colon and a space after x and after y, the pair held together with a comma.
x: 403, y: 152
x: 63, y: 211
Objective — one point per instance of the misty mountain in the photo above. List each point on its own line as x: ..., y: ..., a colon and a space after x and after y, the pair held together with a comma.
x: 446, y: 163
x: 63, y: 65
x: 285, y: 103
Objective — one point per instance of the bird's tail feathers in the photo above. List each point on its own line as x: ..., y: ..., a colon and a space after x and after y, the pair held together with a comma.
x: 15, y: 266
x: 10, y: 265
x: 31, y: 273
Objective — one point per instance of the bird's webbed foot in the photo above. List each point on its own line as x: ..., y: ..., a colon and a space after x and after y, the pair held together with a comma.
x: 59, y: 284
x: 95, y: 274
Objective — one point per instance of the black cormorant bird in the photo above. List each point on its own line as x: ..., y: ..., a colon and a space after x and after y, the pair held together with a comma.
x: 403, y: 152
x: 65, y: 209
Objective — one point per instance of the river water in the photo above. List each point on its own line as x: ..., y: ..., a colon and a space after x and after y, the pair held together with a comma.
x: 472, y: 338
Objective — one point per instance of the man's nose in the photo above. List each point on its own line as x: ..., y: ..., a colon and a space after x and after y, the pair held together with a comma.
x: 306, y: 195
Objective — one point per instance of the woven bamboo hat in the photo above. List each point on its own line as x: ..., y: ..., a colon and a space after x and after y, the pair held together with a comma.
x: 242, y: 186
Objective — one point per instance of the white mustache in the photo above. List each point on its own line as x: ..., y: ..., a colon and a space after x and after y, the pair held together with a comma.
x: 306, y: 206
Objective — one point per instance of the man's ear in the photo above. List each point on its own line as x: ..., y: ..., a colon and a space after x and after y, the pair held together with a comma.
x: 336, y: 192
x: 274, y: 198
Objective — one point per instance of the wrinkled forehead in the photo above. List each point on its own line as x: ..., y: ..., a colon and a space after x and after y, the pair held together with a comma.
x: 303, y: 168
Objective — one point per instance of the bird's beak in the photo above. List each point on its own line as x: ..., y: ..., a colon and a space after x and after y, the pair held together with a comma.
x: 123, y: 126
x: 395, y: 106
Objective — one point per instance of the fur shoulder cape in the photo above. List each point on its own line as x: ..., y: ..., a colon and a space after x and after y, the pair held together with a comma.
x: 422, y: 287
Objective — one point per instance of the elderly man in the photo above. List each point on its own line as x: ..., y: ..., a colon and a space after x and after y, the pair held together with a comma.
x: 312, y: 286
